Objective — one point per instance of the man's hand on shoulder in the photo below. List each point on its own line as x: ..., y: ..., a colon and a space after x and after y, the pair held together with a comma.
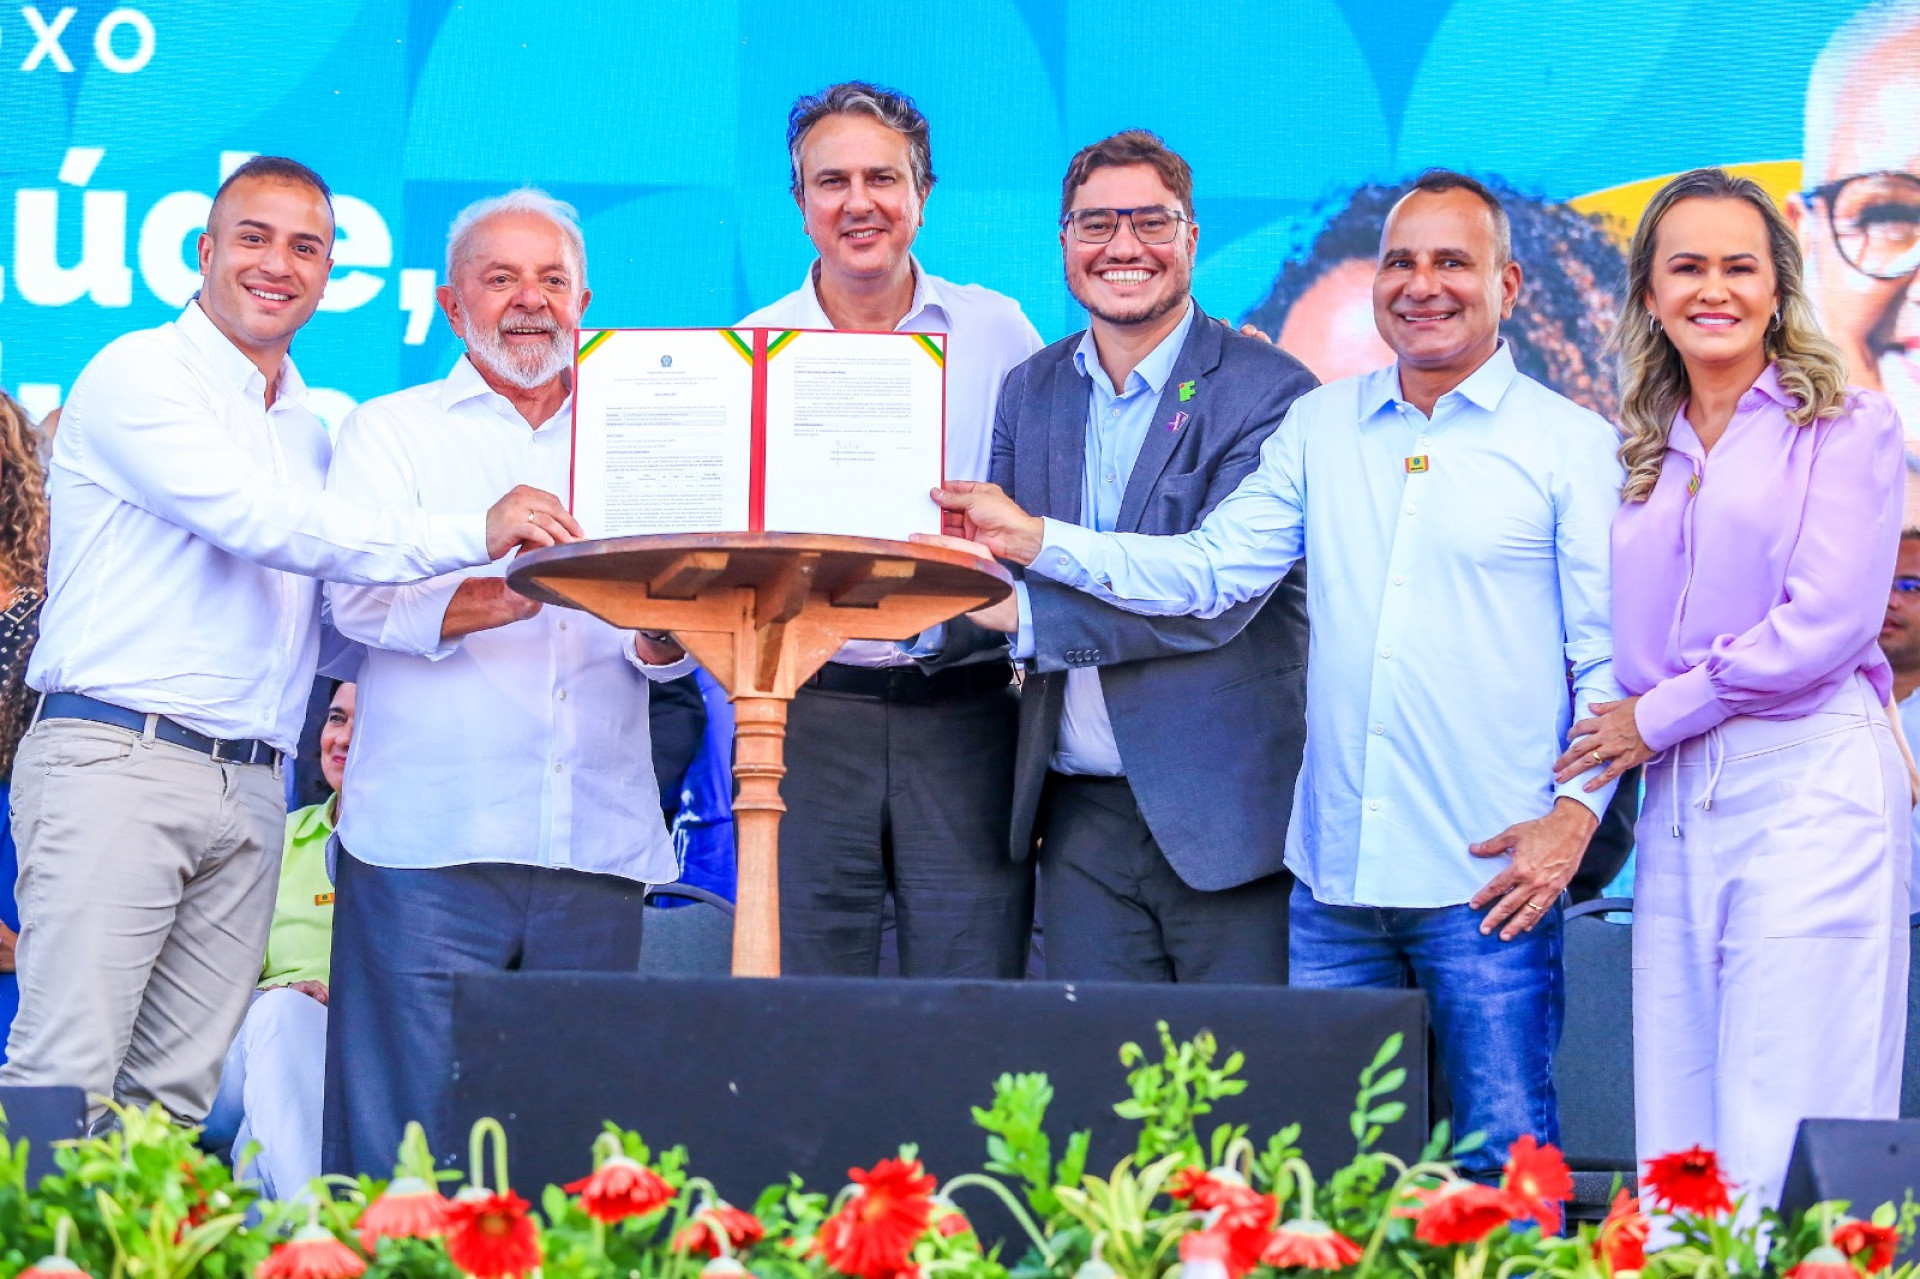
x: 481, y: 604
x: 529, y: 518
x: 993, y: 519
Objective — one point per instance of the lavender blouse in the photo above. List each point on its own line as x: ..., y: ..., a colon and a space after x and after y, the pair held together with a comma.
x: 1753, y: 582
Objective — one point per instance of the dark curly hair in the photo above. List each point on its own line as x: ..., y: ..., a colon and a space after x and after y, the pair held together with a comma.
x: 23, y: 500
x: 1559, y: 330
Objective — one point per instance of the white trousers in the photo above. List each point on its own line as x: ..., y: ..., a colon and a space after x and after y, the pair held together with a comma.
x: 1770, y: 935
x: 276, y: 1074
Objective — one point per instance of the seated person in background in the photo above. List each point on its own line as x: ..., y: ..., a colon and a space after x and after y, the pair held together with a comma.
x: 1900, y: 641
x: 275, y: 1073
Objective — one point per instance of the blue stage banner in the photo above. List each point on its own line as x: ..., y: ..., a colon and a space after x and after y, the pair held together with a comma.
x: 663, y: 122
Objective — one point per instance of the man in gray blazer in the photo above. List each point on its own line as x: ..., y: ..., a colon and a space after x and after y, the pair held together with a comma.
x: 1156, y: 756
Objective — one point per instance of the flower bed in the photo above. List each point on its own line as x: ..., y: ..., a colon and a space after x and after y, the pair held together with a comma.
x: 146, y: 1203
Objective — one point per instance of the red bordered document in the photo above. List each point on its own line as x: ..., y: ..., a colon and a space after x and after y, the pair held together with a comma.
x: 752, y: 430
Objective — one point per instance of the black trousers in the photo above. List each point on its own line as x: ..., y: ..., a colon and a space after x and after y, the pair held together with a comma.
x: 399, y: 936
x: 909, y: 798
x: 1115, y: 910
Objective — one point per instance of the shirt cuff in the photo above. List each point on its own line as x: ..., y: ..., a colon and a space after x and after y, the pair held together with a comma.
x: 927, y: 643
x: 457, y: 541
x: 1023, y: 636
x: 658, y: 674
x: 1595, y: 801
x: 1675, y: 709
x: 415, y: 618
x: 1066, y: 551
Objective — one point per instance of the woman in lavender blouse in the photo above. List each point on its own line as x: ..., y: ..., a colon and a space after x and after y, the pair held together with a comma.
x: 1757, y: 533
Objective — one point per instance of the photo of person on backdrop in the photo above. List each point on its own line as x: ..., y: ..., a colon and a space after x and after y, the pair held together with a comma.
x: 1858, y: 209
x: 1320, y: 307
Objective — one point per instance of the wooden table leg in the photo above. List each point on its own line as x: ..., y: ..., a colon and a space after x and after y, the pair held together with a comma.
x: 760, y: 732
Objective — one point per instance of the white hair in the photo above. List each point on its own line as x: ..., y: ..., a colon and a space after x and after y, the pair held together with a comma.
x: 524, y: 200
x: 1857, y: 41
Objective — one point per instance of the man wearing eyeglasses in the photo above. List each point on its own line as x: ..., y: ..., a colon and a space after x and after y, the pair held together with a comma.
x: 1900, y: 641
x: 1157, y: 755
x: 1859, y: 217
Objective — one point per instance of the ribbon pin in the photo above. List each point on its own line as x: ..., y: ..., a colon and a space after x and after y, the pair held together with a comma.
x: 1186, y: 392
x: 1417, y: 464
x: 1179, y: 420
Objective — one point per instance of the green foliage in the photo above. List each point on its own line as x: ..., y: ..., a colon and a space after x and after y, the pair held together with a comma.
x: 1017, y: 1142
x: 1172, y: 1094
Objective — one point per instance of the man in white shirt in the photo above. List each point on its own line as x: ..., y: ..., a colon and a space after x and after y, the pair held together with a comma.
x: 177, y: 648
x: 899, y: 768
x: 1900, y: 641
x: 505, y: 814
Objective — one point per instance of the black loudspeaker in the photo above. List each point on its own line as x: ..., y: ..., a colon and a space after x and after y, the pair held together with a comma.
x: 1866, y: 1162
x: 810, y: 1075
x: 42, y: 1116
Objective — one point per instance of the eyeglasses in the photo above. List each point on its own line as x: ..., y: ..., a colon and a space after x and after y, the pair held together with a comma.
x: 1151, y: 224
x: 1875, y: 220
x: 1906, y: 585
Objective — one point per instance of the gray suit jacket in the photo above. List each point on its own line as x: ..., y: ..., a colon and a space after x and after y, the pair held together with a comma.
x: 1209, y: 715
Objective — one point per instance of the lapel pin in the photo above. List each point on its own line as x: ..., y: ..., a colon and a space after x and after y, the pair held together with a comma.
x: 1693, y: 485
x: 1179, y: 420
x: 1417, y: 464
x: 1186, y: 392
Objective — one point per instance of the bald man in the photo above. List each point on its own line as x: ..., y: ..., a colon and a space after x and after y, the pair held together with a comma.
x: 1858, y: 214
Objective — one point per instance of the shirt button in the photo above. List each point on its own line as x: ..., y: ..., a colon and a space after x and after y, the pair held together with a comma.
x: 563, y: 621
x: 1116, y: 412
x: 1109, y: 479
x: 1061, y: 560
x: 559, y: 768
x: 1386, y: 652
x: 1378, y: 729
x: 1424, y: 441
x: 562, y: 694
x: 1374, y: 804
x: 1410, y: 510
x: 1399, y: 580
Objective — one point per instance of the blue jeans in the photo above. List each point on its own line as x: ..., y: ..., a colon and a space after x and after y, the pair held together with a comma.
x: 1497, y: 1006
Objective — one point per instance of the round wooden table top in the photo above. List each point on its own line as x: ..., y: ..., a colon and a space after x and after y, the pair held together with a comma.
x: 756, y: 559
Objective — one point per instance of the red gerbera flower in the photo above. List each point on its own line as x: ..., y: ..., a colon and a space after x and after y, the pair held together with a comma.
x: 1879, y: 1243
x: 1203, y: 1255
x: 1824, y: 1263
x: 1463, y: 1212
x: 874, y: 1231
x: 410, y: 1209
x: 1622, y: 1241
x: 742, y: 1228
x: 1310, y: 1245
x: 313, y: 1253
x: 621, y: 1188
x: 1202, y: 1189
x: 54, y: 1267
x: 1246, y: 1222
x: 1688, y: 1181
x: 490, y: 1235
x: 1537, y: 1181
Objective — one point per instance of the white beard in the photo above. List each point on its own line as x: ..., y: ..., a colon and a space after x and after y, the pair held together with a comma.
x: 527, y: 367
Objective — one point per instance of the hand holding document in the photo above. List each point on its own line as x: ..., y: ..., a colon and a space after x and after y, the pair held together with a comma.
x: 745, y: 430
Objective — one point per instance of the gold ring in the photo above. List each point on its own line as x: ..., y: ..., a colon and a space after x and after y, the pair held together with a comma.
x: 1531, y: 906
x: 1597, y: 758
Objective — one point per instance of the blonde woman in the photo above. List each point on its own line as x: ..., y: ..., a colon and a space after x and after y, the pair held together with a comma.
x: 1759, y: 525
x: 23, y: 584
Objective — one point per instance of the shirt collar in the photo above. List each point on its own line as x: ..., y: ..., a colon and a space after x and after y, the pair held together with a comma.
x: 1485, y: 387
x: 318, y: 819
x: 1766, y: 387
x: 232, y: 362
x: 463, y: 382
x: 1154, y: 369
x: 927, y: 296
x: 1683, y: 439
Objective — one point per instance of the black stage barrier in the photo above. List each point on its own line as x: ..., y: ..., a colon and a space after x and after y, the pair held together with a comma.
x: 1867, y: 1162
x: 42, y: 1116
x: 760, y: 1078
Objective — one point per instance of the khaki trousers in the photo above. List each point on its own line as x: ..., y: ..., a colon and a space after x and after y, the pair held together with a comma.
x: 147, y: 877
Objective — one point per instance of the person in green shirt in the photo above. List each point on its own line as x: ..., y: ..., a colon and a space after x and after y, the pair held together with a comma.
x: 274, y: 1077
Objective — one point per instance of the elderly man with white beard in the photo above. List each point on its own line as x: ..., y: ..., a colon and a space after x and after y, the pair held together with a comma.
x: 504, y: 812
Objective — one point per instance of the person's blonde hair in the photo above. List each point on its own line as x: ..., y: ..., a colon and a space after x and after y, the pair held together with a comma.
x: 1653, y: 379
x: 23, y: 500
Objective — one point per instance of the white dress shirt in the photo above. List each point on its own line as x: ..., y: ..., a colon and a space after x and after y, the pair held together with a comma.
x: 1447, y: 603
x: 189, y: 522
x: 987, y: 335
x: 525, y: 744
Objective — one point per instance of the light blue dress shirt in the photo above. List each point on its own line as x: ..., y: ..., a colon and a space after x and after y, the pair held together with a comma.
x: 1117, y: 425
x: 1910, y: 724
x: 1460, y: 567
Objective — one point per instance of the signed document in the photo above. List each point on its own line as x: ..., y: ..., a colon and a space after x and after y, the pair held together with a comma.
x: 750, y: 430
